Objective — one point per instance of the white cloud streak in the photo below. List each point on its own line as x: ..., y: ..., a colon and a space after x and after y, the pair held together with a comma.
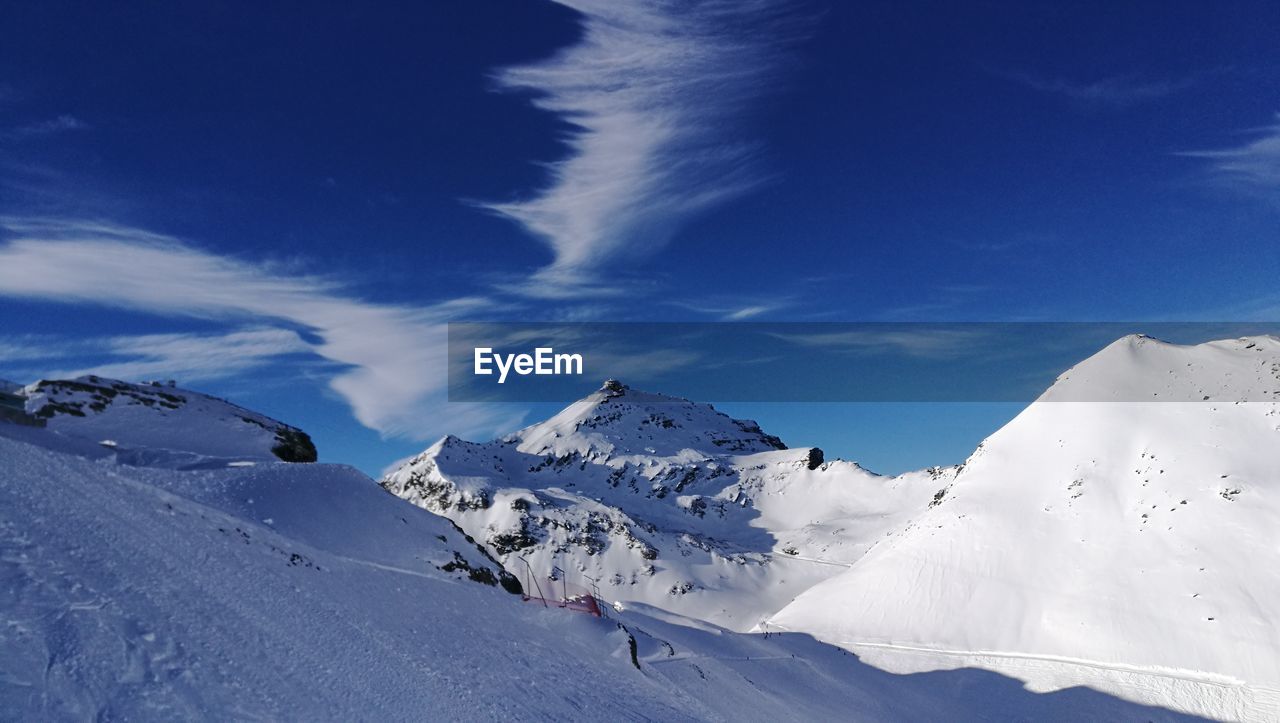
x: 191, y: 357
x: 1255, y: 164
x: 188, y: 356
x: 392, y: 358
x: 52, y: 126
x: 652, y: 91
x: 729, y: 309
x: 930, y: 344
x: 747, y: 312
x: 1117, y: 91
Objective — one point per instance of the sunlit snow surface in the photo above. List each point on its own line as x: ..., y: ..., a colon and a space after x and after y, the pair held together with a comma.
x: 1127, y: 536
x: 665, y: 502
x: 304, y: 592
x: 1060, y: 555
x: 1126, y: 545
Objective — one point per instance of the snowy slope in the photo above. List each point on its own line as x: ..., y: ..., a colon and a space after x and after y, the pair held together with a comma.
x: 304, y: 592
x: 153, y: 424
x: 665, y: 502
x: 1141, y: 534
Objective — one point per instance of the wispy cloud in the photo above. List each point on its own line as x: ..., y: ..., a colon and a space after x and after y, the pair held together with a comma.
x: 747, y: 312
x: 1254, y: 164
x: 652, y: 91
x: 729, y: 309
x: 51, y: 126
x: 33, y: 347
x: 927, y: 343
x: 389, y: 360
x: 193, y: 357
x: 1116, y: 91
x: 188, y: 356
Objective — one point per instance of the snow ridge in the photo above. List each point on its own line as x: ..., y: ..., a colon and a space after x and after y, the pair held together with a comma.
x: 665, y: 502
x: 159, y: 424
x: 284, y: 591
x: 1120, y: 544
x: 1128, y: 533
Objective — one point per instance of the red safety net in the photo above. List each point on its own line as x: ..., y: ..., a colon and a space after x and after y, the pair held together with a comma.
x: 556, y: 592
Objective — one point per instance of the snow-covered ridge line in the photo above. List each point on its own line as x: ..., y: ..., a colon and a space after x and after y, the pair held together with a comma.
x: 277, y: 590
x: 304, y: 591
x: 663, y: 501
x: 149, y: 422
x: 1128, y: 533
x: 1137, y: 535
x: 1145, y: 369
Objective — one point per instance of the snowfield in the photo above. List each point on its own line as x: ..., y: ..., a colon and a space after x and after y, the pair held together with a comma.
x: 1123, y: 535
x: 1090, y: 561
x: 304, y: 592
x: 1126, y: 545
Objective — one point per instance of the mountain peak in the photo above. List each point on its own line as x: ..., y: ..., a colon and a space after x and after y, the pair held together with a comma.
x: 1138, y: 368
x: 617, y: 420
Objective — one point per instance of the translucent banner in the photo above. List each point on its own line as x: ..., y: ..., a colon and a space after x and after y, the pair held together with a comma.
x: 868, y: 362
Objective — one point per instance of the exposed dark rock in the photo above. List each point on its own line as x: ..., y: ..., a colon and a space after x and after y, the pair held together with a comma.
x: 815, y: 458
x: 938, y: 497
x: 294, y: 445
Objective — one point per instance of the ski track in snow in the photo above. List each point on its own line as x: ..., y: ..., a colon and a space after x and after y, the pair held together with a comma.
x: 1195, y: 692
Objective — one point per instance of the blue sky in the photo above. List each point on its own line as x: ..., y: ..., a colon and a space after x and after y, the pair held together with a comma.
x: 284, y: 207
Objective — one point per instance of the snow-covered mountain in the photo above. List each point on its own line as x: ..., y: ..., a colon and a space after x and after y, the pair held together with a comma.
x: 305, y: 592
x: 1128, y: 534
x: 665, y: 502
x: 158, y: 424
x: 1125, y: 544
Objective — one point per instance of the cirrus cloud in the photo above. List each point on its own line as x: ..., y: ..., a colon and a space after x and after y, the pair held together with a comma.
x: 652, y: 90
x: 1254, y: 164
x: 390, y: 359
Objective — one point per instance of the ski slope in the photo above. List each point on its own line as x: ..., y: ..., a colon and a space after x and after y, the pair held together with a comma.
x: 1092, y: 560
x: 1134, y: 535
x: 304, y: 592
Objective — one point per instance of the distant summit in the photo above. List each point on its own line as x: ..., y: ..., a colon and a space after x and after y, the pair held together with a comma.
x: 665, y: 502
x: 616, y: 420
